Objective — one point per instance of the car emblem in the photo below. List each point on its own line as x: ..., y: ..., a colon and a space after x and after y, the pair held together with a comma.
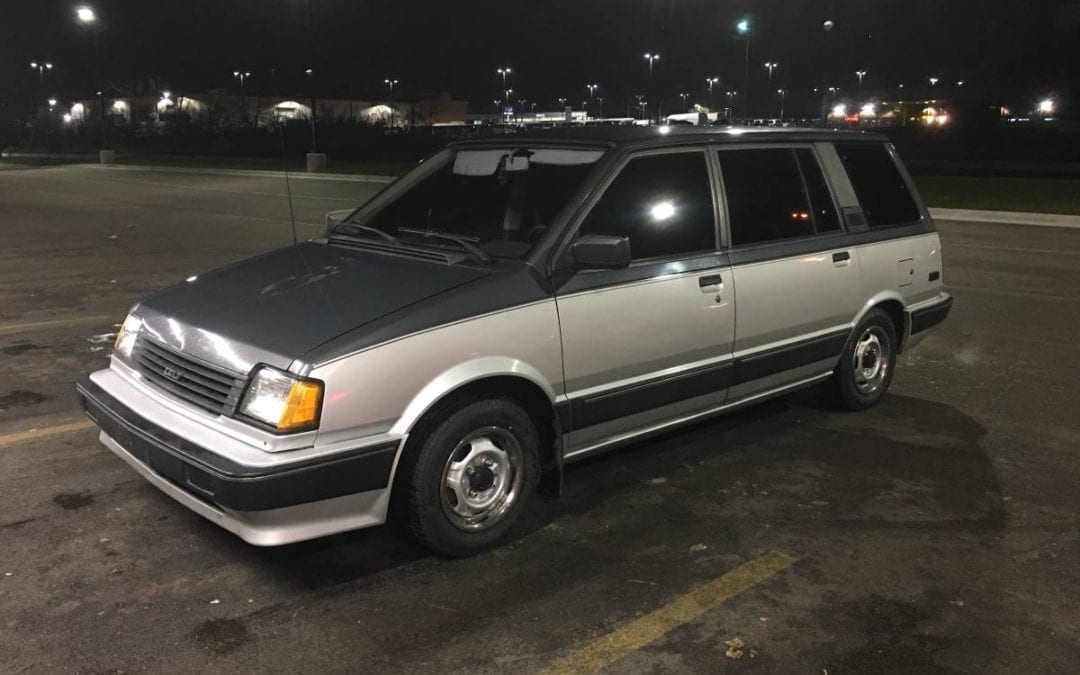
x: 173, y: 375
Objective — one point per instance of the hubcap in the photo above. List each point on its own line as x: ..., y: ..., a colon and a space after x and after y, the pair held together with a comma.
x: 870, y: 362
x: 482, y: 478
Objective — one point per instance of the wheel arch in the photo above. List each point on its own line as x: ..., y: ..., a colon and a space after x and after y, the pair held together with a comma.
x: 490, y: 377
x: 892, y: 303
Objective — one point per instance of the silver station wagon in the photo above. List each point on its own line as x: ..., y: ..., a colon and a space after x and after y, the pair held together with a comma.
x: 514, y: 304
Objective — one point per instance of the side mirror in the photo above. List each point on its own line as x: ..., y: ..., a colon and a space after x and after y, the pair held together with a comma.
x: 335, y: 218
x: 601, y: 251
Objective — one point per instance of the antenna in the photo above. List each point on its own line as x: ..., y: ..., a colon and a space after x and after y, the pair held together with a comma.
x: 284, y: 161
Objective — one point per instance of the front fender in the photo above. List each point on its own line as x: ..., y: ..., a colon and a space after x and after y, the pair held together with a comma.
x: 462, y: 374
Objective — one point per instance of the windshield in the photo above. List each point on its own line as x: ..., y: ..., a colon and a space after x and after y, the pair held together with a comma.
x: 501, y: 200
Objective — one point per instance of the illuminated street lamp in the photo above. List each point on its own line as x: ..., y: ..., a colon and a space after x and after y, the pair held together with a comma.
x: 592, y: 90
x: 860, y: 74
x: 710, y: 81
x: 1046, y: 107
x: 504, y: 71
x: 52, y: 103
x: 652, y: 58
x: 783, y: 93
x: 959, y: 83
x: 770, y: 65
x: 41, y: 67
x: 934, y: 80
x: 742, y: 27
x: 88, y: 17
x: 684, y: 96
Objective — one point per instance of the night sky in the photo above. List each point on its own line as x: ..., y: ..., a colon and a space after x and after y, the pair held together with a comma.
x: 554, y: 46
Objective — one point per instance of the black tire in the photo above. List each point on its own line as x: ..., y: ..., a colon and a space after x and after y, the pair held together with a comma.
x: 428, y: 505
x: 848, y: 387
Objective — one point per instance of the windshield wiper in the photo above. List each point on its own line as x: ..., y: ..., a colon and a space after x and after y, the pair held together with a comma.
x: 363, y: 228
x: 462, y: 241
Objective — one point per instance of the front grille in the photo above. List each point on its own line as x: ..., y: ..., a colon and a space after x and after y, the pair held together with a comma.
x: 211, y: 388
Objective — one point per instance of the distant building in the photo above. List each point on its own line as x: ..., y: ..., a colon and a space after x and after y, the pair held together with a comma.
x: 220, y: 109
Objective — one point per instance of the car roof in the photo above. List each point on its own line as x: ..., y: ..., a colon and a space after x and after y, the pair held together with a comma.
x: 675, y: 134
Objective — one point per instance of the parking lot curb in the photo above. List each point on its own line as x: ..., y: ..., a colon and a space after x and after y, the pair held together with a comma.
x: 1007, y: 217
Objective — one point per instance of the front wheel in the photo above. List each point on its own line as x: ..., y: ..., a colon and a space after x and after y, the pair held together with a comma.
x: 867, y: 363
x: 472, y: 477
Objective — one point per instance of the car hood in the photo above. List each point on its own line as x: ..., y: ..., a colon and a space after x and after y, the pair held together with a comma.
x: 275, y: 307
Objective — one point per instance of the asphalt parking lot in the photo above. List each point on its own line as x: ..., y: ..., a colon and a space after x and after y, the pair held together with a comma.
x: 936, y: 533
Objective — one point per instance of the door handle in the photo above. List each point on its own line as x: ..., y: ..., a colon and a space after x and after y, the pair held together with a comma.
x: 841, y: 256
x: 711, y: 280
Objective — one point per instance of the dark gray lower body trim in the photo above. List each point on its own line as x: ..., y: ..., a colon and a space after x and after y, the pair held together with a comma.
x: 928, y: 317
x: 587, y: 411
x: 227, y: 484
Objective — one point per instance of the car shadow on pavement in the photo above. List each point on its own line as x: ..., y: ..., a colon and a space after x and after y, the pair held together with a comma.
x: 906, y: 480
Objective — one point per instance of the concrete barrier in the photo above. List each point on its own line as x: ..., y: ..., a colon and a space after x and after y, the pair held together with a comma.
x: 1006, y: 217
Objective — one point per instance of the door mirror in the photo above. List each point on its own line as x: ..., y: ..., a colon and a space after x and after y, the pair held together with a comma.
x: 335, y: 218
x: 601, y: 251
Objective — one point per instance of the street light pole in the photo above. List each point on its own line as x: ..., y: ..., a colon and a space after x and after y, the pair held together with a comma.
x: 710, y: 81
x: 652, y: 58
x: 41, y: 67
x: 861, y: 74
x: 390, y: 82
x: 743, y: 28
x: 310, y: 72
x: 684, y: 96
x: 770, y: 65
x: 782, y: 92
x: 242, y: 75
x: 88, y: 17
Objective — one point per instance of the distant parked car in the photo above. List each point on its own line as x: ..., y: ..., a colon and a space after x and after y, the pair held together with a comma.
x: 514, y: 304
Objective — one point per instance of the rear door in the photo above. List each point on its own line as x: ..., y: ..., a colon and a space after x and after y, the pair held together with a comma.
x: 651, y: 342
x: 793, y: 265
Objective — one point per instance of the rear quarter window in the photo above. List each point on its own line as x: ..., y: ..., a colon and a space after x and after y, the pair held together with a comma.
x: 882, y: 192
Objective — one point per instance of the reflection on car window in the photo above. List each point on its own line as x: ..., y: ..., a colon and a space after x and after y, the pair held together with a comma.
x: 503, y: 199
x: 662, y: 203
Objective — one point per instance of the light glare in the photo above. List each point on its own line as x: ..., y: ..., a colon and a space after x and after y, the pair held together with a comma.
x: 662, y: 210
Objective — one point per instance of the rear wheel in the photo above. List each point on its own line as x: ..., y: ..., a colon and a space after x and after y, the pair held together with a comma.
x: 867, y: 364
x: 472, y: 477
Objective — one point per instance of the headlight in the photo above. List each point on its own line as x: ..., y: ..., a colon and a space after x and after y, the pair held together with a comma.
x: 125, y: 337
x: 283, y: 401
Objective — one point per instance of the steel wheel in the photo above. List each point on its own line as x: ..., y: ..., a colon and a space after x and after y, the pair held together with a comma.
x: 870, y: 360
x: 482, y: 479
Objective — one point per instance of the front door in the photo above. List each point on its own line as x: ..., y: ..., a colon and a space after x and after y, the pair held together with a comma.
x: 651, y: 342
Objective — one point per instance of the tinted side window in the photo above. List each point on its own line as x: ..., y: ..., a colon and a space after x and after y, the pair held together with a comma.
x: 884, y: 197
x: 822, y: 208
x: 765, y: 195
x: 662, y: 203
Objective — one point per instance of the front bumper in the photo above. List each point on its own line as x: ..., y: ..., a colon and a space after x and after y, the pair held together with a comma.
x: 265, y: 505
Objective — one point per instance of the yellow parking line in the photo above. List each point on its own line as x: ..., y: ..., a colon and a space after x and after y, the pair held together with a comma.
x: 43, y: 432
x: 609, y: 648
x: 10, y: 328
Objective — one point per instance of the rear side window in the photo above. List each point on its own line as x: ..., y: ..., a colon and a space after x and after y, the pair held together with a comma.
x: 821, y: 204
x: 882, y: 193
x: 663, y: 203
x: 766, y: 196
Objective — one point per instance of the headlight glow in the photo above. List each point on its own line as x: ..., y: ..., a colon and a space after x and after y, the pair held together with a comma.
x: 125, y: 337
x: 283, y: 401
